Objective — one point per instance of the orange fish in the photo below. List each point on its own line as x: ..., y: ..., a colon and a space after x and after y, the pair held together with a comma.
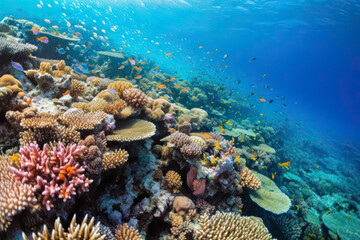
x: 156, y: 68
x: 43, y: 72
x: 222, y: 129
x: 138, y: 77
x: 137, y: 68
x: 43, y: 39
x: 226, y: 66
x: 285, y: 164
x: 184, y: 90
x: 206, y: 135
x: 62, y: 72
x: 168, y: 55
x: 167, y: 80
x: 200, y: 47
x: 67, y: 92
x: 143, y: 63
x: 121, y: 67
x: 28, y: 102
x: 262, y: 100
x: 160, y: 86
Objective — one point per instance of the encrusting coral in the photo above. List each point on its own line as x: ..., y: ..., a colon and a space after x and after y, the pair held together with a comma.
x: 115, y: 159
x: 84, y: 231
x: 15, y: 195
x: 10, y: 82
x: 124, y: 232
x: 223, y: 226
x: 55, y: 173
x: 173, y: 181
x: 249, y: 179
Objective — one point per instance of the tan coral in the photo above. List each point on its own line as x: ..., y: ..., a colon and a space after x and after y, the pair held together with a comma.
x: 248, y: 179
x: 115, y: 108
x: 39, y: 122
x: 135, y: 97
x: 108, y: 96
x: 114, y: 160
x: 120, y: 86
x: 124, y: 232
x: 46, y: 67
x: 173, y: 180
x: 198, y: 141
x: 10, y: 82
x: 81, y: 105
x: 15, y: 196
x: 223, y: 226
x: 82, y: 121
x: 78, y: 89
x: 84, y: 231
x: 133, y: 130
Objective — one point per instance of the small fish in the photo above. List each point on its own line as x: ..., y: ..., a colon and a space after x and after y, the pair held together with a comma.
x: 252, y: 59
x: 328, y: 211
x: 272, y: 176
x: 66, y: 93
x: 43, y: 72
x: 167, y: 80
x: 60, y: 50
x: 137, y: 68
x: 143, y: 63
x: 206, y: 135
x: 17, y: 66
x: 232, y: 139
x: 271, y: 101
x: 47, y: 21
x: 284, y: 105
x: 160, y: 86
x: 266, y: 86
x: 222, y: 129
x: 200, y: 47
x: 168, y: 55
x: 28, y: 102
x: 297, y: 207
x: 138, y: 77
x: 217, y: 146
x: 43, y: 39
x: 265, y: 167
x: 132, y: 61
x: 121, y: 67
x: 317, y: 166
x: 285, y: 164
x: 262, y: 100
x: 155, y: 68
x: 204, y: 155
x: 225, y: 56
x: 264, y: 75
x: 184, y: 90
x: 112, y: 91
x: 35, y: 31
x: 229, y: 123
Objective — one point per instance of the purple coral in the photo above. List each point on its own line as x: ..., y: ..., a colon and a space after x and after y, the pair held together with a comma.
x: 55, y: 174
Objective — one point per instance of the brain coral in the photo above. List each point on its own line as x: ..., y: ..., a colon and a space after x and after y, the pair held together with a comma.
x: 133, y: 130
x: 135, y: 97
x: 10, y: 82
x: 224, y: 226
x: 114, y: 160
x: 198, y: 141
x: 269, y: 196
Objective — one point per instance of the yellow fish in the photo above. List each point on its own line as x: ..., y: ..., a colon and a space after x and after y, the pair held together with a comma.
x: 238, y: 160
x: 229, y: 123
x: 222, y: 129
x: 217, y: 146
x: 214, y: 161
x: 254, y: 159
x: 265, y: 167
x: 328, y: 211
x: 204, y: 155
x: 297, y: 207
x: 233, y: 140
x: 272, y: 176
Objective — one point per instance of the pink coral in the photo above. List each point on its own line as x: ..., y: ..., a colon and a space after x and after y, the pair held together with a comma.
x: 198, y: 186
x: 55, y: 174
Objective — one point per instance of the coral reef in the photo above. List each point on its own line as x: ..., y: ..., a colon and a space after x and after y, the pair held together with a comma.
x: 115, y: 159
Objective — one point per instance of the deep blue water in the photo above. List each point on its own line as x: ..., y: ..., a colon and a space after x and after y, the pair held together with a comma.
x: 308, y: 50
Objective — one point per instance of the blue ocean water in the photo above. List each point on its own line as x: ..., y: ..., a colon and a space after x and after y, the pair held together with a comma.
x: 307, y: 65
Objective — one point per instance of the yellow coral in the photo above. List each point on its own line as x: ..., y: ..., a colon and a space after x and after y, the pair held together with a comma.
x: 114, y: 160
x: 173, y: 180
x: 10, y: 82
x: 120, y: 86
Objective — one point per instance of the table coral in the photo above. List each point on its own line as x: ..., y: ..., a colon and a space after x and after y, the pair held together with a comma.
x: 82, y: 121
x: 15, y: 196
x: 133, y: 130
x: 55, y: 174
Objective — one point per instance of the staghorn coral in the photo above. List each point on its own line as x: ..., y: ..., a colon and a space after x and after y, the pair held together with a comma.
x: 80, y: 120
x: 135, y: 97
x: 82, y: 105
x: 191, y: 150
x: 124, y: 232
x: 133, y: 130
x: 77, y: 89
x: 15, y: 196
x: 84, y: 231
x: 11, y: 83
x: 115, y: 159
x: 55, y: 174
x: 249, y: 179
x: 173, y: 180
x: 67, y: 135
x: 104, y: 230
x: 223, y: 226
x: 120, y: 86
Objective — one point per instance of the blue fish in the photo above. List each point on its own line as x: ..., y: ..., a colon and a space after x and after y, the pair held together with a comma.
x: 61, y: 50
x: 252, y: 59
x: 17, y: 66
x: 81, y: 68
x: 112, y: 91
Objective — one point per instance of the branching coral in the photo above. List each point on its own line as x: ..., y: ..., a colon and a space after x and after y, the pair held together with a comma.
x: 115, y: 159
x: 56, y: 174
x: 135, y: 97
x: 39, y: 122
x: 223, y: 226
x: 15, y: 196
x: 249, y: 179
x: 124, y: 232
x: 84, y: 231
x: 82, y: 121
x: 78, y: 88
x: 173, y: 180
